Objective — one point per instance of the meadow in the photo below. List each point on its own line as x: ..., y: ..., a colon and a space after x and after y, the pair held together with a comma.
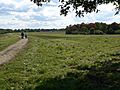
x: 7, y: 39
x: 55, y: 61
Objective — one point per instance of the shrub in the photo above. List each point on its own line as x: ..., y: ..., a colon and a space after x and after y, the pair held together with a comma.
x: 98, y: 32
x: 117, y: 32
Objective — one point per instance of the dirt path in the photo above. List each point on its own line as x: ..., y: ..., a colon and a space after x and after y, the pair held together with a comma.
x: 10, y: 52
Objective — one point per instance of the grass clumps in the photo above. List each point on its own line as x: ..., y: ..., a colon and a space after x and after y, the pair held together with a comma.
x: 60, y: 62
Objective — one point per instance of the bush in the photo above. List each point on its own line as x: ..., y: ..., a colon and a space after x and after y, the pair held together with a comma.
x: 98, y: 32
x: 117, y: 32
x: 3, y: 31
x: 84, y: 33
x: 72, y: 32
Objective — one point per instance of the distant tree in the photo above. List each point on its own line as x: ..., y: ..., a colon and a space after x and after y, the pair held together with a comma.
x: 94, y: 28
x: 87, y: 5
x: 110, y: 31
x: 101, y: 26
x: 83, y: 28
x: 3, y: 31
x: 91, y: 26
x: 104, y: 27
x: 114, y: 26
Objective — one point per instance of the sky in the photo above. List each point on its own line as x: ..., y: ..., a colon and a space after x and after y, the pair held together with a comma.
x: 16, y: 14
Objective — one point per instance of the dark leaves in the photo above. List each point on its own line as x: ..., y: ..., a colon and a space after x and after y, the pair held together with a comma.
x: 117, y: 13
x: 81, y: 6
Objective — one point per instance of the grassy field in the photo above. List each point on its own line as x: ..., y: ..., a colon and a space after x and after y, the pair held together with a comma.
x: 54, y: 61
x: 7, y: 39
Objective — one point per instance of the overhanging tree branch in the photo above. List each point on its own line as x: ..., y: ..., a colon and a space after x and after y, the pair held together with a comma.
x: 81, y: 7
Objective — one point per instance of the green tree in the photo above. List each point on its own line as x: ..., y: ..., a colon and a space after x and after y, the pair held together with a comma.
x: 114, y: 26
x: 87, y: 5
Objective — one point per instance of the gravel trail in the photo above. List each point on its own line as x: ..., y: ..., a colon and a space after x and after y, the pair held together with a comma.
x: 10, y: 52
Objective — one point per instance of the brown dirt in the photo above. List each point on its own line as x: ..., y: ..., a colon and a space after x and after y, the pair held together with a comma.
x: 10, y: 52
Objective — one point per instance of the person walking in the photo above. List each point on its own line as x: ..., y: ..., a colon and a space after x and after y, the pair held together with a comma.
x: 26, y: 35
x: 22, y: 35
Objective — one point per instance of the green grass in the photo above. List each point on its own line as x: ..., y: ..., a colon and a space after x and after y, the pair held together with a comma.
x: 64, y: 62
x: 7, y: 39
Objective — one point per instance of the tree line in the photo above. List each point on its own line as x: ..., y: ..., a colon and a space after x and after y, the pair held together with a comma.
x: 94, y: 28
x: 83, y: 28
x: 3, y: 31
x: 38, y: 30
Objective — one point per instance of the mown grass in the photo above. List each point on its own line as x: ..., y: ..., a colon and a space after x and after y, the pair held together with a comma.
x: 7, y: 39
x: 64, y: 62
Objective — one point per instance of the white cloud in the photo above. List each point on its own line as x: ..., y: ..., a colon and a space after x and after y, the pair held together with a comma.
x: 25, y: 14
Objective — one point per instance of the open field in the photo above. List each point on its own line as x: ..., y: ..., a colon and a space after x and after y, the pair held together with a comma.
x: 7, y: 39
x: 53, y: 61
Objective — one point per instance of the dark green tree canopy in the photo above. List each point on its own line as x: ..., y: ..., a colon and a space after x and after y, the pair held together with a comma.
x: 87, y: 6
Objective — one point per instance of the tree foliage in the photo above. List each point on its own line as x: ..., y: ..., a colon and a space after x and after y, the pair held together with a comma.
x: 94, y: 28
x: 81, y: 7
x: 3, y: 31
